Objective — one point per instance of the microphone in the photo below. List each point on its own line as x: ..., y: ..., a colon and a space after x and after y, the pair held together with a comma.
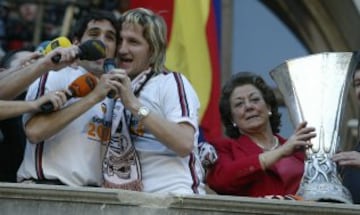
x: 109, y: 64
x: 80, y: 87
x: 89, y: 50
x: 55, y: 43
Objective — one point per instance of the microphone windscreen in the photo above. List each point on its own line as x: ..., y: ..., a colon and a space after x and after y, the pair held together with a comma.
x: 57, y: 42
x: 83, y: 85
x: 92, y: 50
x: 80, y: 87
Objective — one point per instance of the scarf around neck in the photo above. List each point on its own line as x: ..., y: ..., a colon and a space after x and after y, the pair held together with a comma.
x: 121, y: 165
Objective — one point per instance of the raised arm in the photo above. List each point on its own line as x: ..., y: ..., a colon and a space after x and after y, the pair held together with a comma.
x: 298, y: 141
x: 14, y: 81
x: 10, y: 109
x: 44, y: 125
x: 176, y: 135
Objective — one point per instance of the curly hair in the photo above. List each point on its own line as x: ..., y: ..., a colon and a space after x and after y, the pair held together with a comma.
x: 240, y: 79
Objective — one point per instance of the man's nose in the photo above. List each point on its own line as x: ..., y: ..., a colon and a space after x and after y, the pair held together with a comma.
x: 123, y: 48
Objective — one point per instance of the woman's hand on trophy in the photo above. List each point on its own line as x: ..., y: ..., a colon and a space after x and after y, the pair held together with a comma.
x: 349, y: 158
x: 299, y: 140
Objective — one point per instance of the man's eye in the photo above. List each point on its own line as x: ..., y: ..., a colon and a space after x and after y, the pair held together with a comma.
x: 110, y: 37
x: 93, y: 33
x: 134, y: 41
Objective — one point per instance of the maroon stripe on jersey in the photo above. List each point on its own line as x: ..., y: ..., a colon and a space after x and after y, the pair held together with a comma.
x: 38, y: 160
x: 41, y: 87
x: 194, y: 176
x: 182, y: 94
x: 40, y: 146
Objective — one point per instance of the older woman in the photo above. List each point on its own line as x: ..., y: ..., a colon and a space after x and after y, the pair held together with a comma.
x: 255, y: 160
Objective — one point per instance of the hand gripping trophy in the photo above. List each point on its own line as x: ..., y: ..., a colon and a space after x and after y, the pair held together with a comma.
x: 315, y: 89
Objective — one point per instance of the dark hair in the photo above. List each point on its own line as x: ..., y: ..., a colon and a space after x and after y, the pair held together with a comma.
x: 240, y: 79
x: 96, y: 15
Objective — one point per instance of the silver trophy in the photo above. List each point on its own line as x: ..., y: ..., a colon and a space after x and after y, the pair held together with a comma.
x: 315, y: 89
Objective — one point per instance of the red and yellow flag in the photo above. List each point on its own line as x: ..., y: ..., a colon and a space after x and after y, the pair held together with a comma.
x: 193, y: 50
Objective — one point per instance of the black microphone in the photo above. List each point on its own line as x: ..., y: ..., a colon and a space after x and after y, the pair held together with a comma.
x: 89, y: 50
x: 80, y: 87
x: 109, y: 64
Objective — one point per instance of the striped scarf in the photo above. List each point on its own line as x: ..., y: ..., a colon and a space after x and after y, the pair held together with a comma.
x: 121, y: 166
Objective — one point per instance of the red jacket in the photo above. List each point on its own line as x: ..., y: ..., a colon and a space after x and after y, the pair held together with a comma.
x: 238, y: 171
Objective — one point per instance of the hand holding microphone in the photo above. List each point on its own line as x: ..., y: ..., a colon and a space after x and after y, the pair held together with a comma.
x: 44, y: 48
x: 89, y: 50
x: 80, y: 87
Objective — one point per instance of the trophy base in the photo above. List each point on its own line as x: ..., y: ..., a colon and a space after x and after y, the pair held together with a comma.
x: 325, y: 192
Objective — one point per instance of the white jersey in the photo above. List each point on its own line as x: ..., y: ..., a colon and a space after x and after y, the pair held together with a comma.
x: 73, y: 155
x: 171, y: 96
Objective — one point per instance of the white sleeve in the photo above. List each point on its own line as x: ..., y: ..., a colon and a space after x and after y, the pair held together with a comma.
x: 30, y: 96
x: 179, y: 100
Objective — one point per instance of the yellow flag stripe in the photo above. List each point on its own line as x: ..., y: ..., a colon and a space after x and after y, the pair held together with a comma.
x: 188, y: 51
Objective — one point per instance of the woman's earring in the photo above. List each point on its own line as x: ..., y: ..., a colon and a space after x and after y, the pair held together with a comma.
x: 234, y: 125
x: 270, y: 113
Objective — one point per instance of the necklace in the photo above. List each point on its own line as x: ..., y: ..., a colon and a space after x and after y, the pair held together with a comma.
x: 275, y: 142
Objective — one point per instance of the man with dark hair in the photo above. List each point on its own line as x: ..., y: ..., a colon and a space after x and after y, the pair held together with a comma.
x: 64, y: 146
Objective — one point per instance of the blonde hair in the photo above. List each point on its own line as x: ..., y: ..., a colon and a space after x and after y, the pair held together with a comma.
x: 154, y: 31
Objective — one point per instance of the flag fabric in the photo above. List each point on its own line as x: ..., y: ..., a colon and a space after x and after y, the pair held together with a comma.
x: 193, y: 50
